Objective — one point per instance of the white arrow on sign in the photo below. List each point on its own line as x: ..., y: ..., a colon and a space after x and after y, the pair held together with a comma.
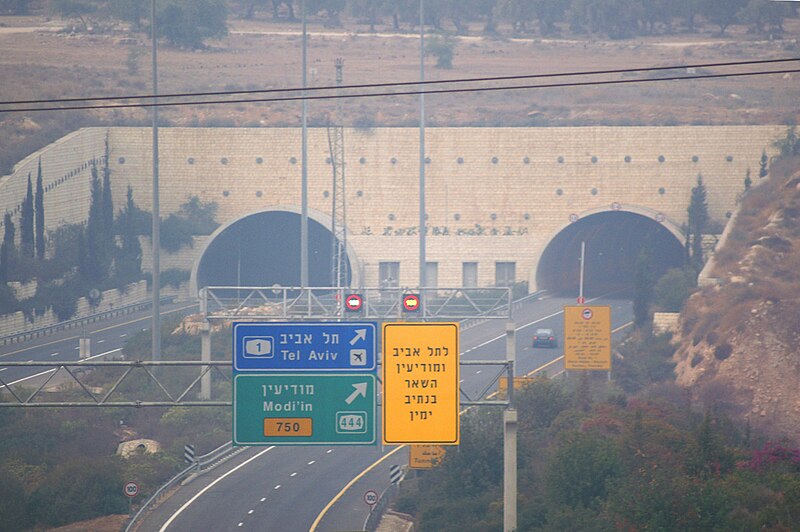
x: 361, y: 334
x: 360, y: 389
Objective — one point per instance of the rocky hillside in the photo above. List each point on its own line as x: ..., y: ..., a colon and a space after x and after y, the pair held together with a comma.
x: 739, y: 340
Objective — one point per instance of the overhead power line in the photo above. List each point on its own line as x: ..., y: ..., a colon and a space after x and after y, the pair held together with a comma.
x: 404, y: 84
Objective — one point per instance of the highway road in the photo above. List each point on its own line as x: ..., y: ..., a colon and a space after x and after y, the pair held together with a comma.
x: 298, y: 488
x: 107, y: 338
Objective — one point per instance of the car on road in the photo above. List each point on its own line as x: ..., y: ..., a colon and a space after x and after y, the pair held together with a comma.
x: 545, y: 338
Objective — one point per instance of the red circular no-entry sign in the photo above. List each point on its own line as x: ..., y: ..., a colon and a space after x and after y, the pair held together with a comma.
x: 353, y: 302
x: 411, y: 302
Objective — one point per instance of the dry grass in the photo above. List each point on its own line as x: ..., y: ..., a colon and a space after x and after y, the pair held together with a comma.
x: 263, y: 54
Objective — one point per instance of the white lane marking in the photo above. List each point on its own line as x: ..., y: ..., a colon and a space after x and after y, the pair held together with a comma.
x: 329, y: 451
x: 263, y: 499
x: 293, y: 475
x: 123, y: 335
x: 477, y: 372
x: 197, y: 496
x: 54, y: 354
x: 3, y: 369
x: 77, y: 347
x: 77, y: 363
x: 250, y: 512
x: 461, y: 381
x: 240, y: 524
x: 311, y: 462
x: 277, y: 487
x: 487, y: 342
x: 100, y: 341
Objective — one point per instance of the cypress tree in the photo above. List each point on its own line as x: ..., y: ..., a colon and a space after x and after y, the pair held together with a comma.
x: 108, y: 205
x: 762, y: 170
x: 26, y: 222
x: 643, y: 283
x: 748, y: 182
x: 39, y: 214
x: 96, y: 267
x: 698, y: 221
x: 7, y: 249
x: 129, y: 263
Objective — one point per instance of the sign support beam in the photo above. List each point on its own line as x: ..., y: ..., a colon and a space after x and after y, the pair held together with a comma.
x: 510, y: 439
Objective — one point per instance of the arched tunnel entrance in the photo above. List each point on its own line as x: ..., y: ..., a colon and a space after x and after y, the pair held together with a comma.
x: 263, y: 249
x: 613, y: 242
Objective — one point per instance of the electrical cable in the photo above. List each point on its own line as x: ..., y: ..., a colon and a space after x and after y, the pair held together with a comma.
x: 405, y: 93
x: 405, y: 83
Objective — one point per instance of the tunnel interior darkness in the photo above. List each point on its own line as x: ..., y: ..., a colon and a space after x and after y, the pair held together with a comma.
x: 263, y: 249
x: 613, y: 242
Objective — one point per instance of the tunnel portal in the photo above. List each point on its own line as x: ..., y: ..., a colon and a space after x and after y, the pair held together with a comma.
x: 613, y: 242
x: 263, y: 249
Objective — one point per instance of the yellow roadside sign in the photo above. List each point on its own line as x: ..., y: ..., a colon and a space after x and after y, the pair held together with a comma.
x: 519, y: 382
x: 425, y: 456
x: 420, y: 383
x: 587, y: 337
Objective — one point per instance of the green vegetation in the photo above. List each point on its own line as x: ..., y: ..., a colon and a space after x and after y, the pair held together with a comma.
x: 610, y: 463
x: 49, y: 459
x: 673, y: 289
x: 189, y: 23
x: 698, y: 224
x: 102, y: 255
x: 441, y: 47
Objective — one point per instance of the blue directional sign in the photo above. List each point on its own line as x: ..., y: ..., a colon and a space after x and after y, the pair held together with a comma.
x: 304, y: 346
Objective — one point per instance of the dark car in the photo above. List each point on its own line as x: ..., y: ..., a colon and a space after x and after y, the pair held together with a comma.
x: 545, y: 338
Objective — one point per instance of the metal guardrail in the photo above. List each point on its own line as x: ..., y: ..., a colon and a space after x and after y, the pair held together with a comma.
x: 79, y: 322
x: 203, y: 463
x: 376, y: 512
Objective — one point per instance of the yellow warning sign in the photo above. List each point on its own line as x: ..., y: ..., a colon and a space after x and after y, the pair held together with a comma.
x: 420, y: 383
x: 425, y: 456
x: 587, y: 337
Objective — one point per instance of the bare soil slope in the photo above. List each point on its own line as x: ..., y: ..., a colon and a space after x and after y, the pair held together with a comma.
x: 739, y: 347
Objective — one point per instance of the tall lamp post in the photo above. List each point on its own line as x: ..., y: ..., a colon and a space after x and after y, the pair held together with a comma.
x: 156, y: 333
x: 422, y: 149
x: 304, y: 171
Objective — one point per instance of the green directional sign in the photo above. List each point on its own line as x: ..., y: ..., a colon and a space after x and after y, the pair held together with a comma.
x: 306, y: 409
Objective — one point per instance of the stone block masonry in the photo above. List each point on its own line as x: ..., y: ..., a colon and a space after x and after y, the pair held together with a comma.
x: 493, y: 194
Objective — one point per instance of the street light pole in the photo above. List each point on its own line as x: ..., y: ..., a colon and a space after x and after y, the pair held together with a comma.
x: 580, y: 283
x: 156, y: 333
x: 304, y: 178
x: 422, y: 222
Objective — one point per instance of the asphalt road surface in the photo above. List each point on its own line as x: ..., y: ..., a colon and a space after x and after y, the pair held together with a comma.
x: 298, y: 488
x: 107, y: 338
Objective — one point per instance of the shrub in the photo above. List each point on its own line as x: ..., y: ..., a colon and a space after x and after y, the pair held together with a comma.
x: 79, y: 490
x: 723, y: 351
x: 173, y: 277
x: 442, y: 49
x: 674, y: 288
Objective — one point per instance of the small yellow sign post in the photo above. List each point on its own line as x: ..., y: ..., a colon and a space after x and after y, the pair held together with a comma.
x: 587, y: 337
x: 519, y: 383
x: 420, y: 383
x: 425, y: 456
